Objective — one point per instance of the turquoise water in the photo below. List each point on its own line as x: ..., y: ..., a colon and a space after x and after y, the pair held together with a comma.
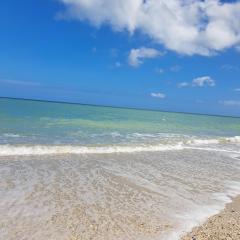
x: 24, y: 121
x: 72, y: 171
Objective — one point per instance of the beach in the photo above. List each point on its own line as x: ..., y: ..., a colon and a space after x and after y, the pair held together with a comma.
x: 120, y: 120
x: 86, y: 172
x: 222, y: 226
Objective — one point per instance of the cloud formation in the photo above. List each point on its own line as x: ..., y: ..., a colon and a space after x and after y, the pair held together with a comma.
x: 158, y: 95
x: 203, y: 81
x: 137, y: 55
x: 184, y: 26
x: 232, y: 103
x: 199, y: 82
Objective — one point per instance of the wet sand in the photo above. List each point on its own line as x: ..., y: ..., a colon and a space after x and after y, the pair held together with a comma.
x: 223, y: 226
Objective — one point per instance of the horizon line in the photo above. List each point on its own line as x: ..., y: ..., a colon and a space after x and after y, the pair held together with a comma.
x: 111, y: 106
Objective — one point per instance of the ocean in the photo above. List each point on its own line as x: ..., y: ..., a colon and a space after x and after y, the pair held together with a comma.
x: 71, y: 171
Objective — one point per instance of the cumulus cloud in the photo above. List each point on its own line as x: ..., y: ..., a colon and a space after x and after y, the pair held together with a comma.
x: 158, y: 95
x: 185, y: 26
x: 232, y: 103
x: 198, y: 82
x: 137, y: 55
x: 203, y: 81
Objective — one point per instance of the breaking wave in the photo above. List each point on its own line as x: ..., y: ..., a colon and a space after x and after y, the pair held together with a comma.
x: 198, y: 144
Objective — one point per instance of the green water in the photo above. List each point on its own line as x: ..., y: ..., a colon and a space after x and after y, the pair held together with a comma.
x: 25, y: 121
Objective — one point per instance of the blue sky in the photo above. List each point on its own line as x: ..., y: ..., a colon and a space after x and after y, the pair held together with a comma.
x: 122, y: 55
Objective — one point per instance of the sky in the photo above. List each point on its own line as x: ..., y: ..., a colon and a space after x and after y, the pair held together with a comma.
x: 175, y: 55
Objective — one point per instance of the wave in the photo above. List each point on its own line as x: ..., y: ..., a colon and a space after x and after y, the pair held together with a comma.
x: 11, y: 150
x: 235, y: 139
x: 197, y: 144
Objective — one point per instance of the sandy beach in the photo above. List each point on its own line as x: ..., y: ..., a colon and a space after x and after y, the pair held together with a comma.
x: 223, y: 226
x: 70, y: 171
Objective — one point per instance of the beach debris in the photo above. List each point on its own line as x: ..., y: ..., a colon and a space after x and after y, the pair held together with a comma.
x: 141, y: 225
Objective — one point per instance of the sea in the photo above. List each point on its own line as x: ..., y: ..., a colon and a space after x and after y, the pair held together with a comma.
x: 71, y: 171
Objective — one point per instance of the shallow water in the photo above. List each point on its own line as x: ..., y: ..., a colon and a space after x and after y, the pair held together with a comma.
x: 125, y: 174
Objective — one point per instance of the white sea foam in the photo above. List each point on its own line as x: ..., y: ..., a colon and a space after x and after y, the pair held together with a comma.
x: 235, y: 139
x: 213, y: 149
x: 199, y: 216
x: 203, y: 141
x: 11, y: 150
x: 194, y: 210
x: 198, y: 144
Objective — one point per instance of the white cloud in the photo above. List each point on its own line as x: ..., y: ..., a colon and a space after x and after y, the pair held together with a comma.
x: 158, y: 95
x: 183, y: 84
x: 198, y: 82
x: 137, y: 55
x: 232, y: 103
x: 185, y: 26
x: 203, y: 81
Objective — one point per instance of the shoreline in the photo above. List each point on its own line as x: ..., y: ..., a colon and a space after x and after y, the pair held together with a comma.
x: 222, y: 226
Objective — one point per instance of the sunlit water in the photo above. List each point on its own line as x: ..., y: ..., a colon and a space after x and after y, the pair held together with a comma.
x: 84, y: 172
